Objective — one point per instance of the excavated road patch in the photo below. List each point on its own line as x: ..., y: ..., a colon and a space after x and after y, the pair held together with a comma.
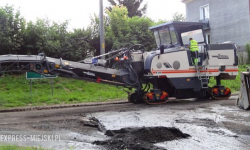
x: 211, y: 124
x: 140, y: 138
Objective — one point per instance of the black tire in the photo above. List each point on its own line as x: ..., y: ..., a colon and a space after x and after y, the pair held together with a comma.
x: 204, y: 94
x: 136, y: 98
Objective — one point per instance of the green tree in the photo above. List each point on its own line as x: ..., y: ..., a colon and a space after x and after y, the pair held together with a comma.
x: 58, y: 39
x: 54, y: 39
x: 178, y: 17
x: 80, y: 46
x: 36, y: 37
x: 140, y: 33
x: 118, y: 26
x: 47, y: 37
x: 95, y: 34
x: 133, y: 6
x: 12, y: 26
x: 123, y: 30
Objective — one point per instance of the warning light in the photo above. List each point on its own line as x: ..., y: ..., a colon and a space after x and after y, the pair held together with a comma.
x: 150, y: 95
x: 164, y: 95
x: 216, y: 90
x: 227, y: 91
x: 57, y: 66
x: 45, y: 71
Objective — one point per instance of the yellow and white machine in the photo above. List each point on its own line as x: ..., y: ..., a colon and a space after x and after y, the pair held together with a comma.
x: 170, y: 68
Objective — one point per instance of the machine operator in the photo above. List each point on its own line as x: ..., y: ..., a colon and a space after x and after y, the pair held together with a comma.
x: 193, y: 46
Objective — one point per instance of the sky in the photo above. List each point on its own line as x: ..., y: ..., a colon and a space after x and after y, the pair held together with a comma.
x: 78, y: 12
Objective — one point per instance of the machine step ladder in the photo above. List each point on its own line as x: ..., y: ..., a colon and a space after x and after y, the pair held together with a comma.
x: 202, y: 73
x: 202, y: 76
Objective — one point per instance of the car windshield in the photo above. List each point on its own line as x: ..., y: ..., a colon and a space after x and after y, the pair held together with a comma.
x: 165, y: 37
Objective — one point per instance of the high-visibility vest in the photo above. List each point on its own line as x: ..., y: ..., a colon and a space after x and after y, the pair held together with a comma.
x: 193, y: 46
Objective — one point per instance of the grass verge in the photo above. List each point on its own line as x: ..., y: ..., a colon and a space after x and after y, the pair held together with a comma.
x: 14, y: 147
x: 15, y: 92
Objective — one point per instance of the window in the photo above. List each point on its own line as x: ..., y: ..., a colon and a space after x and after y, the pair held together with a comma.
x: 165, y: 37
x: 204, y: 12
x: 173, y: 36
x: 157, y: 38
x: 197, y: 35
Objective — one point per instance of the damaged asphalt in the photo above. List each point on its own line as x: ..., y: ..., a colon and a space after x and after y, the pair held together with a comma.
x: 178, y: 124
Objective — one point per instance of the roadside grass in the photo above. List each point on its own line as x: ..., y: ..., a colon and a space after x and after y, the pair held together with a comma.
x: 234, y: 85
x: 15, y: 91
x: 14, y: 147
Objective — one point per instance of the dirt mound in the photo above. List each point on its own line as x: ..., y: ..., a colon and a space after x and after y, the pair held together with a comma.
x: 140, y: 138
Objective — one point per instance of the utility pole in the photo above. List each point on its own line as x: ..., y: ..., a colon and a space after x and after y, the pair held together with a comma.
x: 102, y: 36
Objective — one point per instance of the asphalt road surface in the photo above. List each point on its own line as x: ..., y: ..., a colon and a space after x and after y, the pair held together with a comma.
x: 209, y: 124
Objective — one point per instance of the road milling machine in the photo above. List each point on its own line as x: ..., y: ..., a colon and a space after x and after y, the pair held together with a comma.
x: 155, y: 75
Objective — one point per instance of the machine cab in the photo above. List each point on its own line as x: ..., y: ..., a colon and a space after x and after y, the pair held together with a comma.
x: 176, y: 34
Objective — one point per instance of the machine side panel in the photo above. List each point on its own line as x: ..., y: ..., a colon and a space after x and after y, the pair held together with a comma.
x: 221, y: 57
x: 186, y: 83
x: 148, y: 61
x: 220, y: 46
x: 175, y: 64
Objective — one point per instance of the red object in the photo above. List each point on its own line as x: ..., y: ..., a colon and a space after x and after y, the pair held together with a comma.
x: 125, y: 57
x: 215, y: 90
x: 227, y: 90
x: 162, y: 77
x: 116, y: 58
x: 150, y: 95
x: 98, y: 80
x: 164, y: 95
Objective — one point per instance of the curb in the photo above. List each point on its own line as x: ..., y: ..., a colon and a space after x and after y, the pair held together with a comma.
x: 68, y: 106
x: 60, y: 106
